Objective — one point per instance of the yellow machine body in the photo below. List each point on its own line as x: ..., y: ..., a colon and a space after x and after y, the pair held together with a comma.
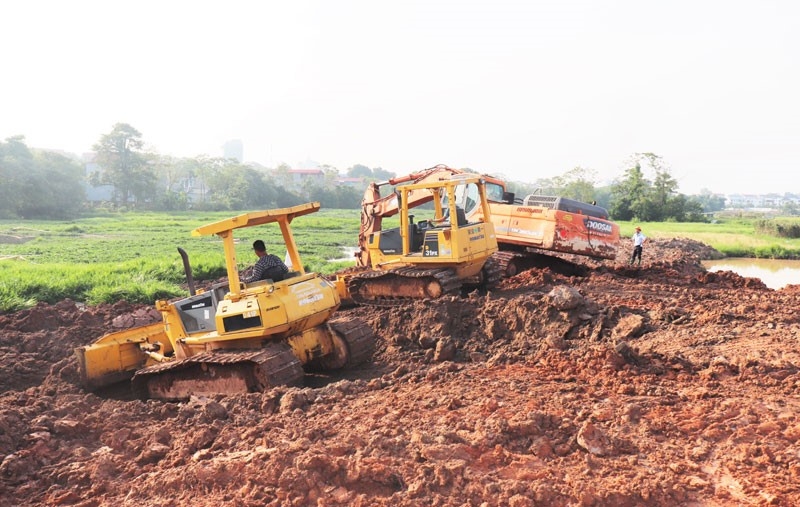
x: 294, y: 312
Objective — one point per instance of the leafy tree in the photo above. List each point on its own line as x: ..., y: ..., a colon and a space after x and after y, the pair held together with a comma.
x: 38, y: 184
x: 542, y: 186
x: 577, y: 183
x: 348, y: 197
x: 280, y: 176
x: 629, y: 195
x: 602, y: 195
x: 124, y: 165
x: 635, y: 197
x: 287, y: 197
x: 359, y: 171
x: 521, y: 189
x: 236, y: 186
x: 382, y: 174
x: 53, y: 188
x: 709, y: 201
x: 663, y: 190
x: 15, y: 159
x: 789, y: 208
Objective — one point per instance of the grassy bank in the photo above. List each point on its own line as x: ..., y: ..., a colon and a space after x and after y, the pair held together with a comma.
x: 732, y: 237
x: 133, y: 256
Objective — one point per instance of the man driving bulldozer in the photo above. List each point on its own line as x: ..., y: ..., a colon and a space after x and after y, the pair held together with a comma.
x: 268, y: 266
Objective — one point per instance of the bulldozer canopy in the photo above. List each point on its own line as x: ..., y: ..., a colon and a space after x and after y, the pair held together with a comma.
x: 257, y: 218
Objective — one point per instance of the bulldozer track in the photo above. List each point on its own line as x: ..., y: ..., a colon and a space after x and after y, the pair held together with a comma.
x: 221, y: 372
x: 491, y: 273
x: 359, y: 337
x: 445, y: 278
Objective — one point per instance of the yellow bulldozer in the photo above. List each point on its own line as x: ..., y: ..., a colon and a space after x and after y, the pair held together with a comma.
x: 236, y: 337
x: 430, y: 257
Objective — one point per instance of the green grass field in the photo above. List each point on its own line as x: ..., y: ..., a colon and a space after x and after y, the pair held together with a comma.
x: 133, y: 256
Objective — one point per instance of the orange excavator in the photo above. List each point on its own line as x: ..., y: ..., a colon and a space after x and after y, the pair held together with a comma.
x: 524, y: 227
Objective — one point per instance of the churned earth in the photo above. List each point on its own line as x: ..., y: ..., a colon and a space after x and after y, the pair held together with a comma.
x: 591, y: 383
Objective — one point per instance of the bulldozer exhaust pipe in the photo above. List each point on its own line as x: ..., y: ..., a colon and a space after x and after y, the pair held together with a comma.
x: 187, y: 268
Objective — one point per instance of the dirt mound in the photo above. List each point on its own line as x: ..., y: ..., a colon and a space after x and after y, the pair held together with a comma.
x: 607, y: 385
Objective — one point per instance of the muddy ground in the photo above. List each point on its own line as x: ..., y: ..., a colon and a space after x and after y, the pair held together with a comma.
x: 592, y: 385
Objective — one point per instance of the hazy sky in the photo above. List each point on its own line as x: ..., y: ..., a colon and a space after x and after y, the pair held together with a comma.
x: 528, y: 89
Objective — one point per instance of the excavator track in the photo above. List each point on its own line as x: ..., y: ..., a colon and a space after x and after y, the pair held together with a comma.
x: 400, y: 285
x: 510, y: 263
x: 358, y: 340
x: 220, y: 372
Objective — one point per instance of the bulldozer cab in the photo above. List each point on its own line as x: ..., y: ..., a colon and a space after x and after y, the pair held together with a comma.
x: 437, y: 239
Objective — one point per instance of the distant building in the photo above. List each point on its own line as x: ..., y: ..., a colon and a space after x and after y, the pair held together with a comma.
x: 234, y: 149
x: 350, y: 182
x: 100, y: 193
x: 760, y: 201
x: 300, y: 176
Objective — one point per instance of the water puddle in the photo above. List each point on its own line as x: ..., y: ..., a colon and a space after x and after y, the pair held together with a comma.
x: 775, y: 273
x: 349, y: 254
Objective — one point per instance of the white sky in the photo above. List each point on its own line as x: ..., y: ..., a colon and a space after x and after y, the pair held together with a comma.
x: 528, y: 89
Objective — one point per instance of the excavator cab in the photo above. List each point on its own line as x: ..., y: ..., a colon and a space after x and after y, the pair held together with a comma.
x: 237, y: 337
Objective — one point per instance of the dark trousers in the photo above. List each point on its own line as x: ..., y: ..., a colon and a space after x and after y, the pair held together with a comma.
x: 637, y: 252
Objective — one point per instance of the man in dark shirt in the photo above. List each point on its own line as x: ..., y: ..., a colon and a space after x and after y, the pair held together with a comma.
x: 268, y: 266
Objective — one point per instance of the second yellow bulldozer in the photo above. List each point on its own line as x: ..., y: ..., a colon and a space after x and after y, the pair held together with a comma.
x: 430, y: 257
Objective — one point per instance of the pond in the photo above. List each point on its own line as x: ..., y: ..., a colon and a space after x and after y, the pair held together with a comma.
x: 775, y: 273
x: 348, y: 254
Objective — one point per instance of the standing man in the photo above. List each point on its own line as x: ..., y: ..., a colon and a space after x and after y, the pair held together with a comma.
x: 268, y: 266
x: 638, y: 241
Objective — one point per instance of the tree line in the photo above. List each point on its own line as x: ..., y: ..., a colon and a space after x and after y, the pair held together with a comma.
x: 47, y: 185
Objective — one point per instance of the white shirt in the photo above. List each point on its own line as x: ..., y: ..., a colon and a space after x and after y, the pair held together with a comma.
x: 638, y: 239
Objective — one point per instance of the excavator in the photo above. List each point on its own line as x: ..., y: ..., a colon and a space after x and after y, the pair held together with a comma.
x: 431, y: 257
x: 525, y: 228
x: 236, y: 337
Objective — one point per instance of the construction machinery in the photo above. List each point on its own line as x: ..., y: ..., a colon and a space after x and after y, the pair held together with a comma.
x: 525, y: 228
x: 539, y: 224
x: 236, y: 337
x: 430, y: 257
